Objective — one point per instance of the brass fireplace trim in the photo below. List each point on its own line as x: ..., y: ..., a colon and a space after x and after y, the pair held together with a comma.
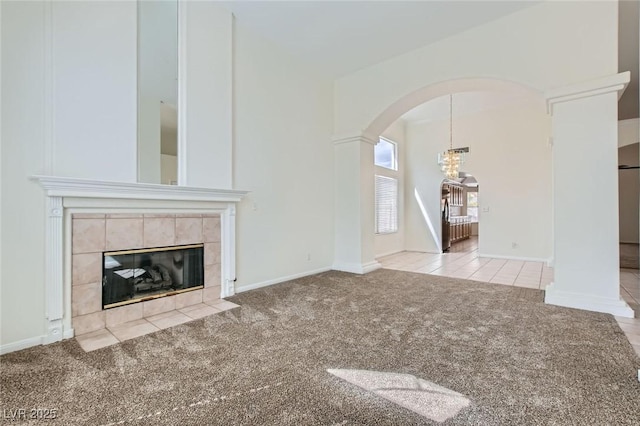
x: 152, y: 297
x: 151, y: 250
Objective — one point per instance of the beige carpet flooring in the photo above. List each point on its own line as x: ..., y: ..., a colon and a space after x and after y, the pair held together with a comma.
x: 506, y: 357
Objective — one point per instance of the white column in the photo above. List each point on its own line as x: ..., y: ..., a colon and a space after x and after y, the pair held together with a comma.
x: 585, y: 196
x: 354, y: 204
x: 54, y: 276
x: 228, y: 227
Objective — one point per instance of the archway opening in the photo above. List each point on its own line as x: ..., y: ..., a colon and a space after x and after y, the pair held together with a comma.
x: 459, y: 218
x: 507, y: 129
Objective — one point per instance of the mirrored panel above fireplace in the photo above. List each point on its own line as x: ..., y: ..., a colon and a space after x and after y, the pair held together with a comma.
x: 130, y: 276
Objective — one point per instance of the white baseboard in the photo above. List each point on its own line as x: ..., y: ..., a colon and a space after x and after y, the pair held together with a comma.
x: 22, y: 344
x: 389, y: 253
x: 370, y: 267
x: 31, y: 342
x: 357, y: 268
x: 280, y: 280
x: 587, y: 302
x: 522, y: 258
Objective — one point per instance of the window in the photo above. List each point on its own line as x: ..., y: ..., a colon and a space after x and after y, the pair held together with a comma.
x: 386, y: 205
x: 386, y: 186
x: 386, y: 154
x: 472, y: 206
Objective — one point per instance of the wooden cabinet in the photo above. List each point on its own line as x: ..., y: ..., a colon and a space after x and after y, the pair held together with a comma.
x: 459, y: 226
x: 456, y: 195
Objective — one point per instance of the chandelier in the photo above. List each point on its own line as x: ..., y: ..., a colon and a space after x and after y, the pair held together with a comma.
x: 451, y: 160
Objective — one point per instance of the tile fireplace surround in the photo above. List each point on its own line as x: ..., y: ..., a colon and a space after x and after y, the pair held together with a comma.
x: 94, y: 233
x: 85, y: 218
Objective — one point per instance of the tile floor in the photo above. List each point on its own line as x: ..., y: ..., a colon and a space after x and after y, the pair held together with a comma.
x: 132, y: 329
x: 463, y: 261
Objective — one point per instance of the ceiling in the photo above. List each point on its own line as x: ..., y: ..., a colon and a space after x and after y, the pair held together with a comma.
x: 340, y: 37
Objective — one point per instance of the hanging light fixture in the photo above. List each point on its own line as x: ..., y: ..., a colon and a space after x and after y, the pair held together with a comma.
x: 451, y: 160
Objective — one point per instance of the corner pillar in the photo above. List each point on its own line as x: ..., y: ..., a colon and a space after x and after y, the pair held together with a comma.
x: 354, y: 204
x: 585, y: 196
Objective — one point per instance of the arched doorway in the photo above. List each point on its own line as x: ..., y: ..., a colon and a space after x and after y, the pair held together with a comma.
x: 507, y: 133
x: 354, y: 199
x: 459, y: 219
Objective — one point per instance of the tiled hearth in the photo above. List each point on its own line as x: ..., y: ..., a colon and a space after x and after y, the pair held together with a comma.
x: 135, y: 328
x: 92, y: 234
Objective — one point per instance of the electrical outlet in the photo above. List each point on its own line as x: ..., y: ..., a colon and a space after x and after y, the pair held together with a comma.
x: 308, y: 256
x: 514, y: 245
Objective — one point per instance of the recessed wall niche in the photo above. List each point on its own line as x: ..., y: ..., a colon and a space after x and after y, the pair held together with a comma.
x: 158, y: 91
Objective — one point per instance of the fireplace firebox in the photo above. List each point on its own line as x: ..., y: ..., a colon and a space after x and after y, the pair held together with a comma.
x: 130, y: 276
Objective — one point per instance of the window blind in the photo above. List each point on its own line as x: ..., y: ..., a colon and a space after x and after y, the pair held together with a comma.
x: 386, y: 205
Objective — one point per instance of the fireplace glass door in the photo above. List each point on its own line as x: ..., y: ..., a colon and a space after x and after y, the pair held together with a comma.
x: 130, y: 276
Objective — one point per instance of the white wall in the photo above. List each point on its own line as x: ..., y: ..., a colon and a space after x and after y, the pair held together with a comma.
x: 208, y: 74
x: 1, y: 175
x: 22, y: 214
x: 69, y: 73
x: 392, y: 243
x: 94, y: 101
x: 283, y: 154
x: 511, y: 159
x: 533, y: 47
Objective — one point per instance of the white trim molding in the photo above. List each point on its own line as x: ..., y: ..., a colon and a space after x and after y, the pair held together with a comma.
x: 357, y: 268
x: 355, y: 137
x: 72, y: 195
x: 280, y: 280
x: 613, y: 83
x: 86, y: 188
x: 389, y: 253
x: 587, y: 302
x: 22, y: 344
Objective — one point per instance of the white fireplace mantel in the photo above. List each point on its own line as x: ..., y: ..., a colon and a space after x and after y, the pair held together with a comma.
x: 74, y: 187
x: 65, y: 195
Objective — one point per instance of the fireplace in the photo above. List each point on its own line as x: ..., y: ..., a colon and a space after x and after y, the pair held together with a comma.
x: 86, y: 218
x: 131, y: 266
x: 130, y: 276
